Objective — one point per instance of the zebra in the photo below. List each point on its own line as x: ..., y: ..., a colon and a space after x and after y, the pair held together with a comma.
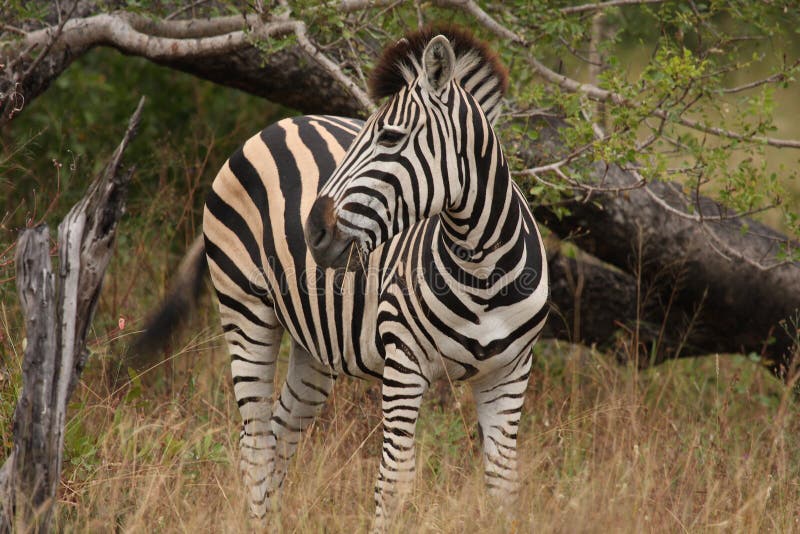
x: 397, y: 249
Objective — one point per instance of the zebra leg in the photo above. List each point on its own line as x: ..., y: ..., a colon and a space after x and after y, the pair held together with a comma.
x: 499, y: 399
x: 402, y: 390
x: 303, y: 395
x: 254, y: 335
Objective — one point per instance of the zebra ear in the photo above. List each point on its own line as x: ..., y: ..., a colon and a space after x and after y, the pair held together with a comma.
x: 438, y: 63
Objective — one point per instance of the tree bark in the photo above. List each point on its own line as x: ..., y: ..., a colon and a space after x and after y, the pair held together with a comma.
x: 595, y: 305
x: 688, y: 290
x: 287, y: 78
x: 27, y: 474
x: 58, y: 311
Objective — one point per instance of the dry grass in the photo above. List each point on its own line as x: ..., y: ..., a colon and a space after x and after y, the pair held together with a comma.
x: 703, y: 445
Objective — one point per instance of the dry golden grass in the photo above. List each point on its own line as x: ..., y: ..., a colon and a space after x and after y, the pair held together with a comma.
x: 697, y: 446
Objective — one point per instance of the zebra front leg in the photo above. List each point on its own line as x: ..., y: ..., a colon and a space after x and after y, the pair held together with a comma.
x: 402, y: 390
x: 499, y: 400
x: 308, y: 384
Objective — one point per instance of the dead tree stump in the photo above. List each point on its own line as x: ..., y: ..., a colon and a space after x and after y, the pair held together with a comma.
x: 58, y: 307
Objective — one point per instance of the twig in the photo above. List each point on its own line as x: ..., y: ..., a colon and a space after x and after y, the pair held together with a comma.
x: 357, y: 5
x: 605, y: 5
x: 13, y: 29
x: 332, y: 68
x: 52, y: 41
x: 775, y: 78
x: 573, y: 184
x: 420, y: 17
x: 603, y: 95
x: 184, y: 9
x: 470, y: 7
x: 730, y: 253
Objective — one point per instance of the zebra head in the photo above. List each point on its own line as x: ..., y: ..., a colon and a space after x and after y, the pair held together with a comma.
x: 409, y: 160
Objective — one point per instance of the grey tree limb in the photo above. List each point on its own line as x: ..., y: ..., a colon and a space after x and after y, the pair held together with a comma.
x: 220, y: 49
x: 58, y: 307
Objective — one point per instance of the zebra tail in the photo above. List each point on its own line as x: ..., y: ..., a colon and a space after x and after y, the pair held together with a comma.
x: 186, y: 288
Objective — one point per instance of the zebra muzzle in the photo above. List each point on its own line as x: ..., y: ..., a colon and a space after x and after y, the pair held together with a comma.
x: 327, y: 245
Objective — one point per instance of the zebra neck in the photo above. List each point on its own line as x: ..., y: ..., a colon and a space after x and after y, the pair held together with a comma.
x: 484, y: 229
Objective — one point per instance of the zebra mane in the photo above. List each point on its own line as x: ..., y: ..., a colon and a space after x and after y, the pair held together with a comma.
x: 478, y: 69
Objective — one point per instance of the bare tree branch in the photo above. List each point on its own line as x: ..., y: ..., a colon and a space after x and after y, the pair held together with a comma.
x: 598, y: 6
x: 775, y: 78
x: 332, y: 68
x: 134, y: 34
x: 171, y: 42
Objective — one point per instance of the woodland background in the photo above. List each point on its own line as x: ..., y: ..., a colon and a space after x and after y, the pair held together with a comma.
x: 673, y: 411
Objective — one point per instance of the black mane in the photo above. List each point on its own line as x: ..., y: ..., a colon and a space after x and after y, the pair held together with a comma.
x: 406, y: 55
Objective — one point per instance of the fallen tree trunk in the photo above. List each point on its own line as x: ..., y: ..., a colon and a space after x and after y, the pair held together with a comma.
x: 698, y: 283
x: 58, y: 311
x: 598, y: 306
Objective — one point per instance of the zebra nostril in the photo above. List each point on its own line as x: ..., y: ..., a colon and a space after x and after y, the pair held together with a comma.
x: 320, y: 238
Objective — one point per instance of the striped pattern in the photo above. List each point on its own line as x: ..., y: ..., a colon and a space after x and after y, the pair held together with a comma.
x: 451, y: 276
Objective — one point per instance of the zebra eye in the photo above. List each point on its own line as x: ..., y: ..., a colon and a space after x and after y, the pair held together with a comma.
x: 390, y: 138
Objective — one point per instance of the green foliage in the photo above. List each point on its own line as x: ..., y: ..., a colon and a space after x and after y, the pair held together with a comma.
x: 13, y: 10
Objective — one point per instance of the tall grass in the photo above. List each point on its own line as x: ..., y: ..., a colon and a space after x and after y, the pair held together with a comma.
x: 701, y: 445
